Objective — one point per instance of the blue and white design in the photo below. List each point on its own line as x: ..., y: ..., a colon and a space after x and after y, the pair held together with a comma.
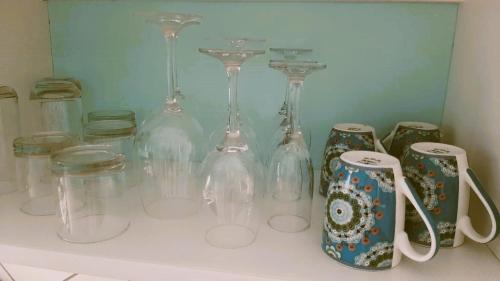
x: 427, y: 189
x: 448, y: 166
x: 379, y: 255
x: 349, y: 213
x: 385, y: 181
x: 332, y: 252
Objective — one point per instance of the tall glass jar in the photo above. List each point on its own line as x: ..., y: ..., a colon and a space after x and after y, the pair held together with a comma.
x: 93, y: 198
x: 9, y: 129
x: 119, y: 136
x: 34, y: 176
x: 61, y: 106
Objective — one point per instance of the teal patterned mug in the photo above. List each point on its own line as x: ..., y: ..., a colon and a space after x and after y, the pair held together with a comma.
x: 442, y: 178
x: 345, y: 137
x: 404, y: 134
x: 365, y: 213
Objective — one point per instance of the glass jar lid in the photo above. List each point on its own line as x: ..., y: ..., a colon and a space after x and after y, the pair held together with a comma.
x: 115, y: 114
x: 85, y: 159
x: 54, y: 90
x: 77, y: 82
x: 7, y: 92
x: 109, y: 129
x: 42, y: 144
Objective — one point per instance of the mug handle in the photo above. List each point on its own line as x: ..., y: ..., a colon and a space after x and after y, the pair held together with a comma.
x: 403, y: 242
x: 379, y: 146
x: 465, y: 225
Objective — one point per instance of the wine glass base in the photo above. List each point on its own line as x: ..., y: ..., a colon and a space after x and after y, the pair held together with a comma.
x: 94, y: 228
x: 288, y: 223
x: 172, y: 208
x: 230, y: 236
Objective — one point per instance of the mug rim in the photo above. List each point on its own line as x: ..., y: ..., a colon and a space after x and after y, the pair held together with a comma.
x: 346, y: 127
x: 355, y: 157
x: 437, y: 149
x: 424, y: 125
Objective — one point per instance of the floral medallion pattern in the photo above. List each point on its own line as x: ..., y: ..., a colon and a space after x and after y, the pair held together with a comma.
x: 358, y: 228
x: 435, y: 180
x: 338, y: 143
x: 349, y: 213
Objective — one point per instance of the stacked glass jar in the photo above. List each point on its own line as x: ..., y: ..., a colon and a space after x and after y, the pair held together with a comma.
x: 9, y: 129
x: 60, y: 104
x: 117, y: 134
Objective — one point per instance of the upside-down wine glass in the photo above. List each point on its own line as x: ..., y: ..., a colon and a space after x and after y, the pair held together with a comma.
x: 287, y: 54
x: 169, y: 143
x: 280, y: 121
x: 232, y: 173
x: 290, y: 174
x: 246, y: 124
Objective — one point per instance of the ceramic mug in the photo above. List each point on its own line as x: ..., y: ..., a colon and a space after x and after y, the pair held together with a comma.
x: 345, y: 137
x: 404, y: 134
x: 442, y: 178
x: 365, y: 213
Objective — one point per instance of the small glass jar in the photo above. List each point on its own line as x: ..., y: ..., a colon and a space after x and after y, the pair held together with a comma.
x: 61, y: 106
x: 9, y: 129
x: 116, y: 114
x: 34, y: 176
x: 119, y: 136
x: 94, y: 201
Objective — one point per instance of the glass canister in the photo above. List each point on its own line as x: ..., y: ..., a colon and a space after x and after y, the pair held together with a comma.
x: 34, y: 176
x: 94, y: 201
x: 115, y: 114
x: 77, y: 82
x: 9, y: 129
x: 61, y: 106
x: 119, y: 135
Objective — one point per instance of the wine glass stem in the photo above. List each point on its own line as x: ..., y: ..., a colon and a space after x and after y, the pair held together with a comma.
x: 174, y: 66
x: 295, y: 86
x: 234, y: 113
x: 171, y: 102
x: 284, y: 107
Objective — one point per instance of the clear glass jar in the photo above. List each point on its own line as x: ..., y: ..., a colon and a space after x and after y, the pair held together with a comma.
x: 9, y: 129
x: 61, y: 106
x: 94, y: 201
x: 77, y: 82
x: 115, y: 114
x: 119, y: 135
x: 34, y: 176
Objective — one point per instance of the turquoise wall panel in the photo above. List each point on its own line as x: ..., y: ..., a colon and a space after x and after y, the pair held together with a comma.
x: 387, y: 62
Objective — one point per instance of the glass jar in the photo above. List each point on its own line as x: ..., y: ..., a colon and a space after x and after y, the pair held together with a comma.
x: 34, y: 176
x: 61, y: 106
x: 9, y: 129
x: 77, y: 82
x: 119, y: 136
x: 93, y: 198
x: 117, y: 114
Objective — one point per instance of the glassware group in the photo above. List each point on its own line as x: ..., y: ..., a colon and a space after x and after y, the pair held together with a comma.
x: 85, y: 172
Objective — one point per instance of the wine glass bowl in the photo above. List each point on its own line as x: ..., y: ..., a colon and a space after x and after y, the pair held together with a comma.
x: 290, y: 177
x: 170, y: 143
x: 231, y: 173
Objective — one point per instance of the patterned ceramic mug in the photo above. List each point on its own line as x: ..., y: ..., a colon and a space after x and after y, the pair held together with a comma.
x: 398, y: 141
x: 365, y: 213
x: 346, y: 137
x: 441, y: 177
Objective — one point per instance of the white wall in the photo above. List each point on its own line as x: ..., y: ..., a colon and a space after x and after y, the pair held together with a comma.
x: 25, y: 54
x: 472, y: 111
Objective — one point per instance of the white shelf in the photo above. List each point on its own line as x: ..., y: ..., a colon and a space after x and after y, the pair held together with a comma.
x: 161, y: 250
